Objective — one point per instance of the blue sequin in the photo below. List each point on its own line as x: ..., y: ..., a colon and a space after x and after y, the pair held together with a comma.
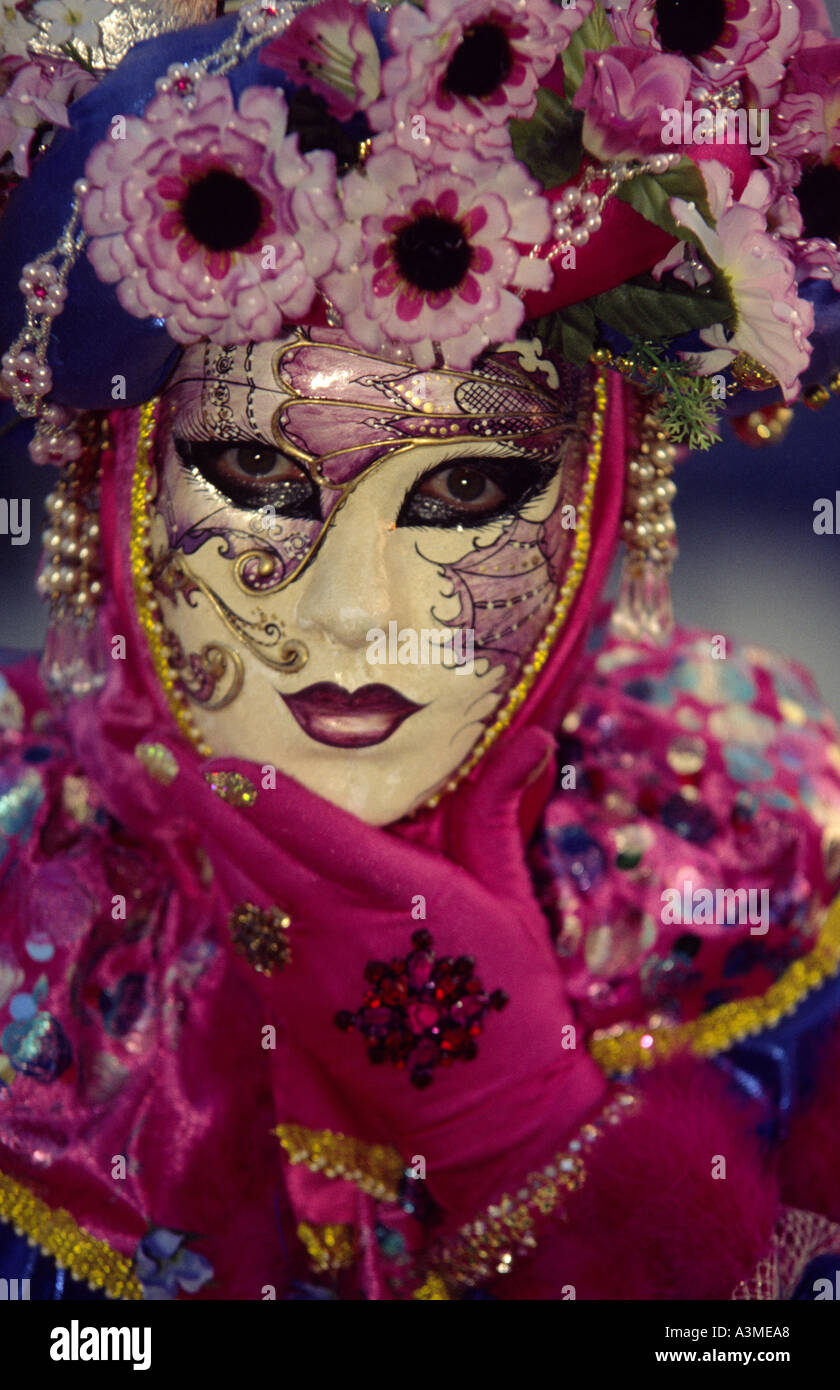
x: 21, y: 793
x: 690, y: 819
x: 715, y: 682
x: 745, y: 765
x: 37, y: 1047
x: 572, y: 852
x: 652, y: 692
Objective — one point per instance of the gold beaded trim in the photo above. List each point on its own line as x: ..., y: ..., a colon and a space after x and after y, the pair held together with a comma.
x: 55, y: 1233
x: 232, y: 787
x: 261, y: 935
x: 618, y: 1053
x: 487, y: 1247
x: 577, y: 569
x: 433, y: 1289
x: 330, y: 1246
x: 148, y: 609
x: 374, y: 1168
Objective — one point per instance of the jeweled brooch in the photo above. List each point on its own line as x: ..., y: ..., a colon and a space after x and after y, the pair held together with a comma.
x: 422, y: 1012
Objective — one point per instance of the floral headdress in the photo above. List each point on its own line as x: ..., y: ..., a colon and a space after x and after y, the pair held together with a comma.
x: 652, y: 184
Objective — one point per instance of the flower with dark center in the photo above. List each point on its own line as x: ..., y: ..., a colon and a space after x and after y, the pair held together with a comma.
x: 690, y: 26
x: 440, y: 254
x: 818, y: 192
x: 481, y: 63
x: 432, y: 253
x: 182, y: 214
x: 222, y: 211
x: 468, y: 67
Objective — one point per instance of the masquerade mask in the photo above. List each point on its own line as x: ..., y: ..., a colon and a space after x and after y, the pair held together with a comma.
x: 355, y: 560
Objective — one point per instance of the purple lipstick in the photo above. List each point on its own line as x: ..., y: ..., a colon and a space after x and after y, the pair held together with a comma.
x: 349, y: 719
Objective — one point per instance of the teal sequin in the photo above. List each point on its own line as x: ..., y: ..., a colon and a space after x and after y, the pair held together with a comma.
x: 20, y: 797
x: 745, y: 765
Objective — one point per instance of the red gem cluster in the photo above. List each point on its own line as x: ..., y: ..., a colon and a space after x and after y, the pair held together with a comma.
x: 422, y: 1012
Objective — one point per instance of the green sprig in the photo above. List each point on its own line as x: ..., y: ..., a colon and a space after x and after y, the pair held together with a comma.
x: 687, y: 407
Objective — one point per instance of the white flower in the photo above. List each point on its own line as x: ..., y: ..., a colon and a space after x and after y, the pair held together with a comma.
x: 71, y: 21
x: 772, y: 323
x: 15, y: 32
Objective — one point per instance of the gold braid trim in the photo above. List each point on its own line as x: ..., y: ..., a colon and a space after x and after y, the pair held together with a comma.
x: 489, y: 1246
x: 148, y: 610
x: 799, y: 1237
x: 330, y: 1247
x: 621, y: 1052
x: 55, y: 1233
x: 374, y: 1168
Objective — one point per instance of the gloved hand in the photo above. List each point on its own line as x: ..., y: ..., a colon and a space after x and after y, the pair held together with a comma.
x: 475, y: 1064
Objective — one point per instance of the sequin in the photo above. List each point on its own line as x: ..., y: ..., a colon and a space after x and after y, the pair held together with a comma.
x: 37, y: 1047
x: 616, y: 949
x: 693, y: 822
x: 261, y: 934
x: 158, y: 760
x: 619, y: 1050
x: 331, y: 1246
x: 792, y: 712
x: 572, y: 852
x: 742, y: 726
x: 11, y: 709
x: 232, y: 787
x: 422, y: 1012
x: 686, y: 755
x: 78, y: 799
x: 21, y: 794
x: 745, y: 765
x: 713, y: 681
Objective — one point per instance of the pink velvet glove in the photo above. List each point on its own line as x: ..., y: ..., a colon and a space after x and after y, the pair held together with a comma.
x: 484, y: 1122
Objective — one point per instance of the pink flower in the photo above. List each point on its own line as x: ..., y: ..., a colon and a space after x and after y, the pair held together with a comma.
x: 623, y: 94
x: 751, y: 40
x: 330, y: 48
x: 460, y: 71
x: 430, y: 256
x: 807, y: 119
x: 771, y: 322
x: 207, y: 216
x: 817, y: 258
x: 35, y: 92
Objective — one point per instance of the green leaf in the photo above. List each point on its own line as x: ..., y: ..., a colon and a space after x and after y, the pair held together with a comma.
x: 572, y: 332
x: 641, y: 311
x: 649, y: 195
x: 549, y: 144
x: 594, y: 34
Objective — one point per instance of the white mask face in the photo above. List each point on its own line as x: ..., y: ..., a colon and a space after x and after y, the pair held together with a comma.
x: 354, y: 615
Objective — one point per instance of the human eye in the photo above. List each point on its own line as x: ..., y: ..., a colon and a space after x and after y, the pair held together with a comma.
x: 252, y: 475
x: 473, y: 491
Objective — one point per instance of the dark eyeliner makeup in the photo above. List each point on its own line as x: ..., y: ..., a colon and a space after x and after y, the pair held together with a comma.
x: 451, y: 495
x: 241, y: 470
